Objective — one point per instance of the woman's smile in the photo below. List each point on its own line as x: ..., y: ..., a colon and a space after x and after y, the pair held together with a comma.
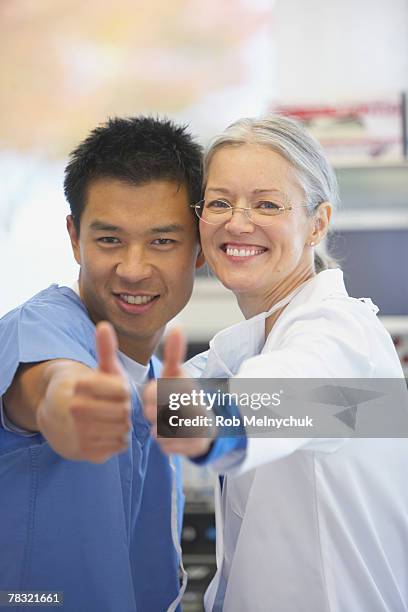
x: 241, y: 253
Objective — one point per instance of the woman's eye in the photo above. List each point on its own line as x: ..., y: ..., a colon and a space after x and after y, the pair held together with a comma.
x: 265, y: 205
x: 218, y: 204
x: 108, y: 240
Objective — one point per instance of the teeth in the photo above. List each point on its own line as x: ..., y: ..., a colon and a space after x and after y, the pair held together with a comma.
x: 243, y: 252
x: 136, y: 299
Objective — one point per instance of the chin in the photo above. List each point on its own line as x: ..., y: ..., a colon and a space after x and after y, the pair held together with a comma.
x: 237, y: 285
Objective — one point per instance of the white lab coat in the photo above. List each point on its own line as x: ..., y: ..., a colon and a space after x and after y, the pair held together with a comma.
x: 311, y: 525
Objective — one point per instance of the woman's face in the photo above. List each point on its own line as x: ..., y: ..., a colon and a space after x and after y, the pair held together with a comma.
x: 276, y: 255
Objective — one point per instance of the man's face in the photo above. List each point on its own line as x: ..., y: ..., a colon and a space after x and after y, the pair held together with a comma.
x: 138, y: 250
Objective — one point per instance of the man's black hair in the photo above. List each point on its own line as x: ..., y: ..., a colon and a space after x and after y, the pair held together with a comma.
x: 135, y: 150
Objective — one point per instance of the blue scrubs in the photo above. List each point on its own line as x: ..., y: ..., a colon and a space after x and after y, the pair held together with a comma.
x: 100, y: 533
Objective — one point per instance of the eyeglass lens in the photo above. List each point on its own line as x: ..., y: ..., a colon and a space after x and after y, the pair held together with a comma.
x: 219, y: 211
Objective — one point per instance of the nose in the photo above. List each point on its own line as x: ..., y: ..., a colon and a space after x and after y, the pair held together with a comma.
x: 134, y: 266
x: 239, y: 222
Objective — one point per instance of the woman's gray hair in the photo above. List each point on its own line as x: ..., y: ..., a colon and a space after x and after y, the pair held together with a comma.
x: 288, y: 138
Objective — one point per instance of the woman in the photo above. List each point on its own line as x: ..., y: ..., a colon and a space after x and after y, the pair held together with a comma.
x: 303, y: 524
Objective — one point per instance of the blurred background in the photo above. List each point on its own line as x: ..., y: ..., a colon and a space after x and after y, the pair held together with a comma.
x: 341, y: 66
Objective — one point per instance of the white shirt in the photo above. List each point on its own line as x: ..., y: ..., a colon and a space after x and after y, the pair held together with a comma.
x: 311, y: 525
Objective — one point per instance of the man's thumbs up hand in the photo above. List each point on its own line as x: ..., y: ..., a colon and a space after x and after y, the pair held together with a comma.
x: 101, y: 402
x: 106, y: 349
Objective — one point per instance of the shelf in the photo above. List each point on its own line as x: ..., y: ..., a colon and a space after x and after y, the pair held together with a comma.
x: 364, y: 219
x: 395, y: 325
x: 368, y: 164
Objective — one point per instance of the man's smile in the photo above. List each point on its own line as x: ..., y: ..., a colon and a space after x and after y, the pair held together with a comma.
x: 135, y: 303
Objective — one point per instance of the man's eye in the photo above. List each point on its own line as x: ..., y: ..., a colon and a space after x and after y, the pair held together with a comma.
x: 108, y: 240
x: 163, y: 241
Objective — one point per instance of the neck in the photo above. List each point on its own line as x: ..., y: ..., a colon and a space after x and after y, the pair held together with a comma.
x: 140, y: 351
x: 254, y: 304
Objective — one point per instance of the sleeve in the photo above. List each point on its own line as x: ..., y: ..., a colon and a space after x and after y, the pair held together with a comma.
x: 227, y: 453
x: 195, y: 366
x: 10, y: 427
x: 324, y: 342
x: 41, y: 332
x: 228, y: 448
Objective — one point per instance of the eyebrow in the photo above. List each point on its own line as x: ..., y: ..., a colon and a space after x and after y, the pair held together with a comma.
x: 106, y: 227
x: 167, y: 229
x: 98, y: 225
x: 254, y: 191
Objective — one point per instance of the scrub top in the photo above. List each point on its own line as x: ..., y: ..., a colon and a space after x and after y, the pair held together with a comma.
x: 106, y: 535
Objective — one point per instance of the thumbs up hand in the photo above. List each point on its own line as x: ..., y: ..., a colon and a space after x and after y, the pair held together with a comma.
x: 106, y: 348
x: 101, y: 402
x: 174, y: 352
x: 83, y: 413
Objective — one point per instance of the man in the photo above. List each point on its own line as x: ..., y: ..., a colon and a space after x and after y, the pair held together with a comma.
x: 89, y: 503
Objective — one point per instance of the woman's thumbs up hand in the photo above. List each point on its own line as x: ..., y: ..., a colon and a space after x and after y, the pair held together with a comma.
x: 174, y: 351
x: 174, y: 354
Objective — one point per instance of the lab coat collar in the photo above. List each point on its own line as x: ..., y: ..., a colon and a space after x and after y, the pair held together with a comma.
x: 247, y: 338
x: 326, y: 284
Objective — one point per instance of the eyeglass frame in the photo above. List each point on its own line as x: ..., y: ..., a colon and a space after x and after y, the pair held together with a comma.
x: 282, y: 208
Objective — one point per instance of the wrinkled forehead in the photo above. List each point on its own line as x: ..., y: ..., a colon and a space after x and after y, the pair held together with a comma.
x: 250, y: 168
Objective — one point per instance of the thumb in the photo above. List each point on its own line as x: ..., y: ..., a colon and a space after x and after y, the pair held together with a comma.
x: 106, y: 349
x: 174, y: 353
x: 150, y: 401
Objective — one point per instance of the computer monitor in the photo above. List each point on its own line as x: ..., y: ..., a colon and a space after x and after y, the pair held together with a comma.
x: 374, y: 258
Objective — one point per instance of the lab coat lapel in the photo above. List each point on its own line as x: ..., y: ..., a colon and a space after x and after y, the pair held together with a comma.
x: 229, y: 347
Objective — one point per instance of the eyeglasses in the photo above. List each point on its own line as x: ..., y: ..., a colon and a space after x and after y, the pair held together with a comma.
x: 216, y: 212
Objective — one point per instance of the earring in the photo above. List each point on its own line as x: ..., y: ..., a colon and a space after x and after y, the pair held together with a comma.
x: 312, y: 243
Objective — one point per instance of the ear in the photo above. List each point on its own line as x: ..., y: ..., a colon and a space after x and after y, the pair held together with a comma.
x: 200, y: 261
x: 73, y: 235
x: 321, y: 222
